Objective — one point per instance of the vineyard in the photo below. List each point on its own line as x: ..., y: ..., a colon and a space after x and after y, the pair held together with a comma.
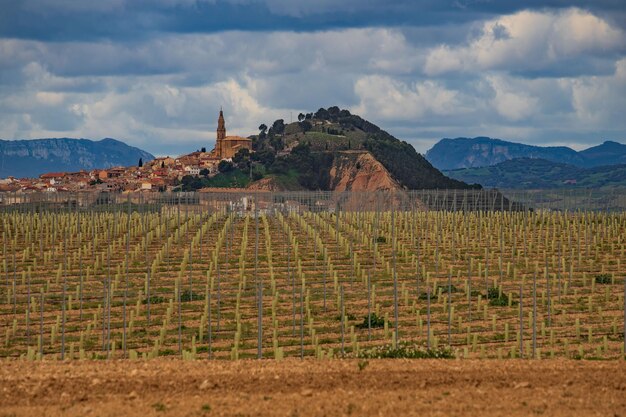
x: 309, y: 275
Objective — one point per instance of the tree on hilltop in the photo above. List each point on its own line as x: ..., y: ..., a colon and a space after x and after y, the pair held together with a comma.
x: 278, y: 128
x: 224, y: 166
x: 263, y: 131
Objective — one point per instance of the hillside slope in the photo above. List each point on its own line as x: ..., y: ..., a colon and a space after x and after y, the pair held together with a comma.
x: 349, y: 171
x: 316, y: 152
x: 30, y: 158
x: 527, y: 173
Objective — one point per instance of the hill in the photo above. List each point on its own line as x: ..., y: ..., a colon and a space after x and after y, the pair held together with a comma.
x: 608, y: 153
x: 457, y: 153
x: 31, y: 158
x: 528, y: 173
x: 333, y: 149
x: 483, y: 151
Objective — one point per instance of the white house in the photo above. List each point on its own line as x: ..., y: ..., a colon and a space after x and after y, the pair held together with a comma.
x: 192, y: 170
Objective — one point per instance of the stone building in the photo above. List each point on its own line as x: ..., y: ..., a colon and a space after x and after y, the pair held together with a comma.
x: 227, y: 146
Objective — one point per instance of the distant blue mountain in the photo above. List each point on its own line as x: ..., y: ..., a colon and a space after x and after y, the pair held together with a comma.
x: 476, y: 152
x: 535, y: 173
x: 31, y: 158
x: 608, y: 153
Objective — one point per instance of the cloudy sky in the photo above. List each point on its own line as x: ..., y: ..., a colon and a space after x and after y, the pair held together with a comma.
x: 154, y: 73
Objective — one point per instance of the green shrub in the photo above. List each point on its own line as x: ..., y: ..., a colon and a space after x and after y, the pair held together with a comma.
x: 374, y: 321
x: 493, y: 293
x: 155, y: 299
x: 159, y: 407
x: 500, y: 301
x: 187, y: 295
x: 497, y: 299
x: 349, y: 316
x: 405, y: 350
x: 603, y: 279
x: 444, y: 290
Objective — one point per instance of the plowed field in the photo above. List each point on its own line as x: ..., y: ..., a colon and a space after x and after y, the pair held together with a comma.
x: 292, y: 387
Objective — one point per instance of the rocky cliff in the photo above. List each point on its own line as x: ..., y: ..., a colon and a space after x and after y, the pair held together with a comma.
x: 349, y: 171
x: 31, y: 158
x: 359, y: 171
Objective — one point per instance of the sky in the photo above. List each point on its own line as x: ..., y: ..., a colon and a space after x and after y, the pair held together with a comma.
x: 154, y: 73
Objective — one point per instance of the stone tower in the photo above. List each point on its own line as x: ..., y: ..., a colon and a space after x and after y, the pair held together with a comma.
x: 227, y: 146
x: 221, y: 135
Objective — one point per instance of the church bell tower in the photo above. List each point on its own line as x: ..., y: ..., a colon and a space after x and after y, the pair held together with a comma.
x: 221, y: 134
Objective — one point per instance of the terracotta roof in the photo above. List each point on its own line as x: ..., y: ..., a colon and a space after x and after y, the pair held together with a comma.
x: 52, y: 175
x: 237, y: 138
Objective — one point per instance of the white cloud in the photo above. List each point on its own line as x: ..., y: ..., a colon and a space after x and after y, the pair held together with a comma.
x: 529, y: 40
x: 152, y: 114
x: 576, y: 31
x: 369, y: 49
x: 513, y: 105
x: 49, y: 98
x: 600, y: 100
x: 383, y: 97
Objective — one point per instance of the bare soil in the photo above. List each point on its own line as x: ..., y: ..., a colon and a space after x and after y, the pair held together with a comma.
x: 313, y: 388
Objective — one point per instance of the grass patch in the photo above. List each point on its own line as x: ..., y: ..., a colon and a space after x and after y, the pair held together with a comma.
x: 159, y: 407
x: 405, y: 350
x: 231, y: 179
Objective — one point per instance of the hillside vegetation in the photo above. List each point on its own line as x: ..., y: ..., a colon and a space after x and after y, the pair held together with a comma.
x: 301, y: 155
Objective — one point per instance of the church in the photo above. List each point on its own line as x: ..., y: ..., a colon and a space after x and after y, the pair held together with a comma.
x: 227, y: 146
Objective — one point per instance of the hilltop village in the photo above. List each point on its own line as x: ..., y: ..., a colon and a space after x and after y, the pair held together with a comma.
x: 160, y: 174
x: 330, y: 149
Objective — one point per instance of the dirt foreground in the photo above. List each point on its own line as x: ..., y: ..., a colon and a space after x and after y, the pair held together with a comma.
x: 313, y: 388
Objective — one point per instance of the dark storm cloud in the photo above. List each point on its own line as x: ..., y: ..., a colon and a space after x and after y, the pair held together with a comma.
x: 69, y: 20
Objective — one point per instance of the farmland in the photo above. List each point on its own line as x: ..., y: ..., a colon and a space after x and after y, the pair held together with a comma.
x: 170, y: 387
x: 266, y: 276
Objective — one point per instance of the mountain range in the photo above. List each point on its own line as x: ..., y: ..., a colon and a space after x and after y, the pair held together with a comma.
x: 448, y: 154
x: 31, y: 158
x: 535, y: 173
